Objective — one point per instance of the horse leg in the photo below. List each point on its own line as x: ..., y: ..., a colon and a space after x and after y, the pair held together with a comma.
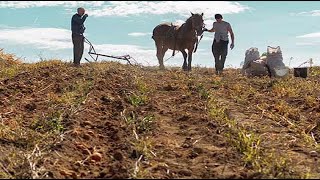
x: 163, y: 52
x: 184, y: 66
x: 189, y: 58
x: 160, y: 54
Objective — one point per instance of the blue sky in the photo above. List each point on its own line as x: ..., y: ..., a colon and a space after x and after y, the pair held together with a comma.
x: 34, y: 29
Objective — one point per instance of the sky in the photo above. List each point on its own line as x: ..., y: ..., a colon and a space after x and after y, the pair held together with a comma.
x: 41, y: 30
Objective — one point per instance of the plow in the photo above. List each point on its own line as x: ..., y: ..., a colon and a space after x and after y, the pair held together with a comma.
x: 94, y: 55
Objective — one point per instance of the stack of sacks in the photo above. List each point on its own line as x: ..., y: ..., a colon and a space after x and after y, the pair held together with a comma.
x: 254, y: 65
x: 270, y: 65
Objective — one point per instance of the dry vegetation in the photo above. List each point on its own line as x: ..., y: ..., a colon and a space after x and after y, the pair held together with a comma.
x: 109, y: 120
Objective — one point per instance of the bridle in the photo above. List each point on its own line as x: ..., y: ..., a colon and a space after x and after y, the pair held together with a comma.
x: 196, y: 29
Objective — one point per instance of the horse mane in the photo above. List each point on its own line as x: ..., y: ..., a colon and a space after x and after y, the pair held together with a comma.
x: 187, y: 23
x: 188, y: 20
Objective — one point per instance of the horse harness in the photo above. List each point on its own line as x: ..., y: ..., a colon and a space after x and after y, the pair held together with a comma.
x: 174, y: 31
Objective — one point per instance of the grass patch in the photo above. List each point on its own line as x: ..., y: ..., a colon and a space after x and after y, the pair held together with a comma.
x: 137, y: 100
x: 141, y: 125
x: 248, y: 143
x: 51, y: 123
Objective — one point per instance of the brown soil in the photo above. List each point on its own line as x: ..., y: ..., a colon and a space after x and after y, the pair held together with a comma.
x: 91, y: 103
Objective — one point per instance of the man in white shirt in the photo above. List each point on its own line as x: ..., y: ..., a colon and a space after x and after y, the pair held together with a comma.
x: 220, y: 42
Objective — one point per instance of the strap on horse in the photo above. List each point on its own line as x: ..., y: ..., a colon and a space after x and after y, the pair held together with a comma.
x: 198, y: 41
x: 175, y: 40
x: 172, y: 29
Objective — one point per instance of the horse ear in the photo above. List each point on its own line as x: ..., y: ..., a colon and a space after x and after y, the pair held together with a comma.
x: 201, y: 14
x: 191, y: 13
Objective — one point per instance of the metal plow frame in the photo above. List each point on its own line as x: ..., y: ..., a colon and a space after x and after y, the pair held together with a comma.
x: 92, y: 52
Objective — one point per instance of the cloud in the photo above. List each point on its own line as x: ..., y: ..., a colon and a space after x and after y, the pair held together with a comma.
x: 138, y: 34
x: 55, y: 40
x: 145, y: 56
x: 311, y: 35
x: 307, y: 13
x: 32, y: 4
x: 57, y: 43
x: 183, y: 8
x: 138, y: 53
x: 306, y: 43
x: 42, y: 38
x: 128, y: 8
x: 311, y: 39
x: 179, y: 22
x: 208, y: 23
x: 3, y: 26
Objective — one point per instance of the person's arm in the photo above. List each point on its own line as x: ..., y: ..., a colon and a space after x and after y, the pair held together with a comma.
x: 209, y: 30
x: 232, y: 37
x: 80, y: 20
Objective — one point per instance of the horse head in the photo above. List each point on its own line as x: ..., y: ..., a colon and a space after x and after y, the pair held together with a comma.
x: 197, y: 22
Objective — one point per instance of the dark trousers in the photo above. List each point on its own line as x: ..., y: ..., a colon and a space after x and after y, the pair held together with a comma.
x: 78, y: 46
x: 220, y: 51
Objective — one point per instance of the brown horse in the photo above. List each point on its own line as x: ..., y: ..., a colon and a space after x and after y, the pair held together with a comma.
x: 175, y: 37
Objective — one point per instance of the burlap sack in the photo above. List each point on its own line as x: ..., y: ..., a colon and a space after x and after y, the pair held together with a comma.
x: 251, y: 55
x: 275, y: 62
x: 257, y: 68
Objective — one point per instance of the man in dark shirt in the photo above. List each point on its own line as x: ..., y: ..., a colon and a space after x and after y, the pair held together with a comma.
x: 77, y: 29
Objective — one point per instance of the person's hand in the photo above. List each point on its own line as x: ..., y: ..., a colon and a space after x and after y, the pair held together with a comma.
x: 231, y: 46
x: 205, y: 29
x: 86, y: 15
